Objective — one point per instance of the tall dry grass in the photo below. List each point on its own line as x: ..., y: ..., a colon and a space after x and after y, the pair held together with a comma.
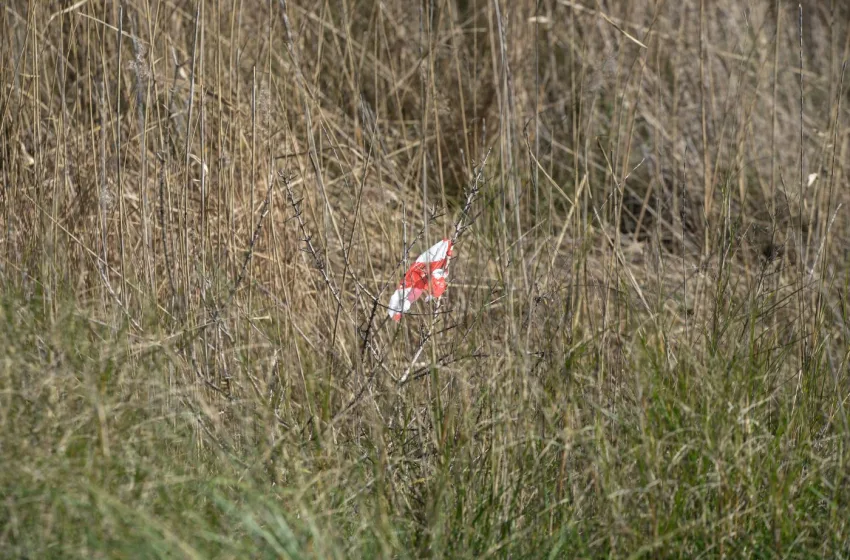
x: 206, y: 205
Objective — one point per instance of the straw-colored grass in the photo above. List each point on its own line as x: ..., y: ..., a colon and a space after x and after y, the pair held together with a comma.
x: 643, y: 351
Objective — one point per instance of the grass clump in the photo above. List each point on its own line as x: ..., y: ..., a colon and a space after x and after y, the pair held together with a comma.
x: 642, y: 351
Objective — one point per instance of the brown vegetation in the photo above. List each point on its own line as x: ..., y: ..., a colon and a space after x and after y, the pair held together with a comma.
x: 655, y: 247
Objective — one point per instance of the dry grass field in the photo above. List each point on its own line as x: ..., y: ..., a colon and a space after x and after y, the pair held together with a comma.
x: 642, y: 352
